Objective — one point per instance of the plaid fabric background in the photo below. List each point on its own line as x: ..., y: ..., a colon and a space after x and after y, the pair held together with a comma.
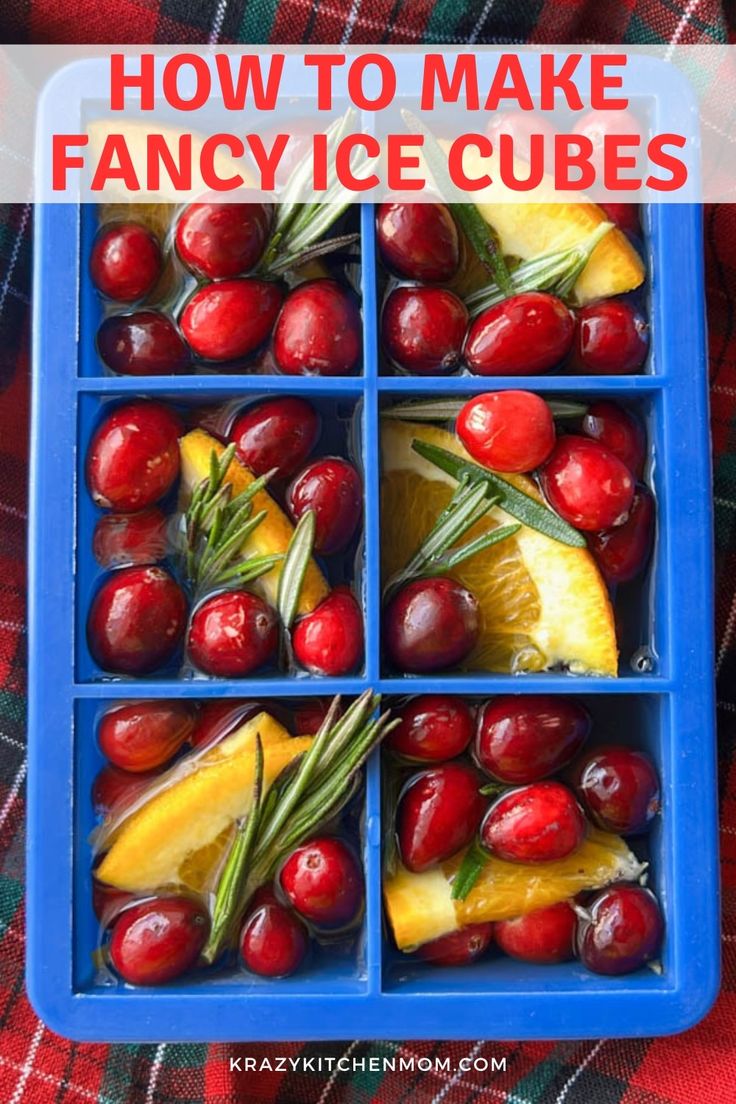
x: 39, y: 1067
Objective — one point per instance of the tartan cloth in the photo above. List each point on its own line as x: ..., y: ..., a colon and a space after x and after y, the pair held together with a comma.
x: 39, y: 1067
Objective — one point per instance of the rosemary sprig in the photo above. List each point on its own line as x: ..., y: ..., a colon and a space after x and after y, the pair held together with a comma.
x: 515, y: 502
x: 557, y: 271
x: 301, y: 799
x: 470, y: 870
x: 476, y: 229
x: 447, y: 409
x: 217, y: 525
x: 295, y: 566
x: 436, y: 554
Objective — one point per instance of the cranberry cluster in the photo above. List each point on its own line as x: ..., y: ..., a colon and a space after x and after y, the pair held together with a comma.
x: 239, y: 314
x: 316, y: 895
x: 426, y: 328
x: 519, y: 743
x: 139, y: 617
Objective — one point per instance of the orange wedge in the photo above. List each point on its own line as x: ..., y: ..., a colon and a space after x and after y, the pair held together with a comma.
x: 420, y: 906
x: 542, y: 603
x: 271, y: 536
x: 179, y: 835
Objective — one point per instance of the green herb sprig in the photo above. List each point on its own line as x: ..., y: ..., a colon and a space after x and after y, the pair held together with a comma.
x: 304, y: 796
x: 216, y: 526
x: 448, y: 409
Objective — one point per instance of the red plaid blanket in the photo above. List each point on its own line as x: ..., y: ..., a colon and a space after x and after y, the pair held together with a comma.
x: 39, y: 1067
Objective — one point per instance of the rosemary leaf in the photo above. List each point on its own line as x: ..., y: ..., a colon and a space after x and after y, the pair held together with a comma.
x: 515, y: 502
x: 296, y: 562
x: 472, y: 548
x: 471, y: 868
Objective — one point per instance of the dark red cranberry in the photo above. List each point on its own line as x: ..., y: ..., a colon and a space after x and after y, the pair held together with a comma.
x: 423, y: 329
x: 333, y: 489
x: 130, y: 538
x: 140, y: 736
x: 273, y: 942
x: 136, y: 621
x: 525, y: 738
x: 133, y: 457
x: 308, y: 718
x: 217, y: 719
x: 433, y: 727
x: 329, y: 640
x: 611, y: 338
x: 520, y: 126
x: 145, y: 343
x: 230, y: 319
x: 232, y: 634
x: 439, y: 813
x: 278, y: 433
x: 619, y: 788
x: 624, y: 215
x: 323, y: 880
x: 318, y: 332
x: 624, y: 931
x: 544, y: 936
x: 221, y: 240
x: 619, y: 431
x: 534, y: 824
x: 458, y: 948
x: 596, y: 125
x: 526, y: 334
x: 108, y: 902
x: 125, y: 261
x: 430, y: 624
x: 158, y: 940
x: 114, y: 789
x: 510, y: 431
x: 418, y: 241
x: 587, y: 485
x: 622, y: 553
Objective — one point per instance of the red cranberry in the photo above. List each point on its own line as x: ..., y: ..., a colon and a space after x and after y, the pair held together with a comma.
x: 217, y: 719
x: 544, y: 936
x: 145, y: 343
x: 430, y: 624
x: 619, y: 788
x: 158, y: 940
x: 133, y: 457
x: 587, y: 485
x: 619, y: 431
x: 318, y: 331
x: 596, y: 125
x: 125, y: 261
x: 136, y: 621
x: 329, y: 640
x: 108, y: 902
x: 232, y: 634
x: 510, y: 431
x: 323, y: 880
x: 458, y: 948
x: 622, y: 553
x: 528, y: 333
x: 130, y: 538
x: 624, y: 215
x: 524, y: 738
x: 333, y: 489
x: 418, y: 241
x: 624, y: 932
x: 308, y: 718
x: 279, y: 433
x: 273, y: 942
x: 230, y: 319
x: 611, y: 338
x: 221, y: 240
x: 142, y: 735
x: 521, y: 125
x: 114, y: 789
x: 423, y: 329
x: 433, y: 727
x: 439, y: 813
x: 534, y: 824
